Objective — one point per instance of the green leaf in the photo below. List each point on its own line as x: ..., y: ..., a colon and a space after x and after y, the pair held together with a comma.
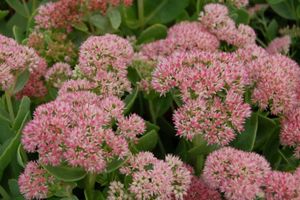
x: 21, y: 81
x: 3, y: 13
x: 66, y: 173
x: 5, y: 131
x: 242, y: 16
x: 81, y: 26
x: 18, y: 34
x: 100, y: 22
x: 199, y: 164
x: 114, y: 17
x: 130, y: 99
x: 11, y: 148
x: 245, y: 140
x: 24, y: 108
x: 162, y: 105
x: 150, y: 126
x: 14, y: 187
x: 18, y: 7
x: 272, y: 30
x: 21, y: 156
x: 154, y: 32
x: 266, y: 127
x: 148, y: 141
x: 283, y: 8
x: 163, y: 11
x: 115, y: 164
x: 274, y: 1
x: 271, y: 149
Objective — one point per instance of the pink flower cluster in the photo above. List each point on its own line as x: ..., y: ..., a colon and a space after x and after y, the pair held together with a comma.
x: 282, y: 186
x: 199, y: 190
x: 101, y: 60
x: 280, y: 45
x: 78, y: 128
x: 212, y: 86
x: 182, y: 37
x: 153, y: 178
x: 58, y: 73
x: 216, y: 20
x: 276, y: 79
x: 14, y: 60
x: 62, y: 14
x: 290, y: 130
x: 239, y: 175
x: 34, y: 183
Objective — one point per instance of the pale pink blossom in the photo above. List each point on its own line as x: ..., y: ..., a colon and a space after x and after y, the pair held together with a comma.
x: 77, y: 128
x: 276, y: 79
x: 183, y: 36
x: 282, y: 186
x: 290, y: 130
x: 59, y: 14
x: 156, y: 179
x: 15, y: 59
x: 58, y: 73
x: 35, y: 181
x: 238, y: 174
x: 280, y: 45
x: 102, y: 61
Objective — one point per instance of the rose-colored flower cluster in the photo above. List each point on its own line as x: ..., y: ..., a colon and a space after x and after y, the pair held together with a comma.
x: 282, y: 186
x: 239, y: 175
x: 78, y: 128
x: 54, y: 46
x: 35, y: 182
x: 199, y: 190
x: 62, y: 14
x: 212, y: 86
x: 290, y: 131
x: 276, y: 79
x: 181, y: 37
x: 14, y: 60
x: 102, y: 61
x: 58, y: 73
x: 280, y: 45
x: 216, y: 20
x: 152, y: 179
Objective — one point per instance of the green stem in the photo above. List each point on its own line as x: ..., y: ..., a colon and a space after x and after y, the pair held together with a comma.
x: 26, y: 8
x: 34, y: 5
x: 9, y: 106
x: 154, y: 120
x: 90, y: 186
x: 141, y: 12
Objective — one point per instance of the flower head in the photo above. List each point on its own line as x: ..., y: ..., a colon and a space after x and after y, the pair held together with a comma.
x: 281, y: 186
x: 239, y: 175
x: 58, y: 73
x: 77, y: 128
x: 35, y: 181
x: 158, y: 179
x: 280, y: 45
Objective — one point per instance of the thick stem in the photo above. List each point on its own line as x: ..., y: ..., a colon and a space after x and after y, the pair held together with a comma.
x: 90, y: 186
x: 9, y: 106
